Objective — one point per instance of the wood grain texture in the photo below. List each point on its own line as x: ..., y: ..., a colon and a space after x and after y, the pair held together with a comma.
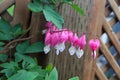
x: 5, y: 4
x: 6, y: 16
x: 100, y: 73
x: 96, y: 29
x: 115, y: 8
x: 69, y: 66
x: 21, y: 13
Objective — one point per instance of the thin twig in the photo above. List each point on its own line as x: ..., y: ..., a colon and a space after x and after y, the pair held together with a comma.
x: 6, y: 48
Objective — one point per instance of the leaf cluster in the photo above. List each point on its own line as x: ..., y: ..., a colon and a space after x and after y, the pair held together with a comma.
x: 47, y: 7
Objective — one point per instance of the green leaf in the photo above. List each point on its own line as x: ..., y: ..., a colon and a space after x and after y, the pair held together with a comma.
x: 74, y: 78
x: 17, y: 30
x: 53, y: 16
x: 7, y: 72
x: 5, y: 36
x: 21, y: 48
x: 49, y: 67
x: 24, y: 75
x: 2, y: 43
x: 10, y: 65
x: 36, y: 47
x: 38, y: 69
x: 5, y: 27
x: 3, y: 57
x: 53, y: 75
x: 66, y: 1
x: 10, y: 68
x: 19, y: 57
x: 78, y: 9
x: 35, y: 7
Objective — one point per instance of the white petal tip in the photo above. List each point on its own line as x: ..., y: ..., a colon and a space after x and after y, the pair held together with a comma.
x: 72, y: 50
x: 46, y: 49
x: 79, y: 53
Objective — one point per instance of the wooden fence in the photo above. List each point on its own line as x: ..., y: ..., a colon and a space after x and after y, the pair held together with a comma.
x: 106, y: 66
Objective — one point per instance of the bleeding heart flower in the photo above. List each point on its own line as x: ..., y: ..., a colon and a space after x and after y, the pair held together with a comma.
x: 70, y: 36
x: 94, y: 44
x: 74, y: 42
x: 81, y: 44
x: 82, y: 41
x: 47, y: 42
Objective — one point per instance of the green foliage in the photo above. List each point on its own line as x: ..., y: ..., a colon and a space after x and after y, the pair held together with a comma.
x: 51, y: 15
x: 3, y: 57
x: 26, y: 48
x: 21, y: 66
x: 24, y: 75
x: 9, y: 32
x: 76, y: 7
x: 35, y: 7
x: 34, y: 48
x: 49, y: 67
x: 47, y: 7
x: 53, y: 75
x: 74, y: 78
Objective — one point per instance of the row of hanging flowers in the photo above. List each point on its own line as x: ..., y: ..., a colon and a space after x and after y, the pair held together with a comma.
x: 57, y: 39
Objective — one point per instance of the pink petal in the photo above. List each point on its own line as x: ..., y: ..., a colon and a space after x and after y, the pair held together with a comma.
x: 63, y: 36
x: 82, y: 41
x: 54, y: 39
x: 94, y: 44
x: 70, y: 36
x: 75, y: 40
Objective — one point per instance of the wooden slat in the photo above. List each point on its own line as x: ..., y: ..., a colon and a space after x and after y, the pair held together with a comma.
x: 111, y: 35
x: 107, y: 66
x: 100, y: 73
x: 110, y: 58
x: 5, y: 15
x: 118, y: 35
x: 113, y: 21
x: 95, y: 25
x: 115, y: 8
x: 22, y: 13
x: 5, y: 4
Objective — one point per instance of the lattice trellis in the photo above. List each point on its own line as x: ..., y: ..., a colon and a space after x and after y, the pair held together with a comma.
x: 108, y: 62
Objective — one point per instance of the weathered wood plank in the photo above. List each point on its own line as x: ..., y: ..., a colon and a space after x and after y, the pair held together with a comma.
x: 111, y: 35
x: 110, y: 58
x: 113, y: 21
x: 100, y: 73
x: 5, y: 4
x: 115, y: 8
x: 5, y: 15
x: 22, y: 13
x: 96, y: 29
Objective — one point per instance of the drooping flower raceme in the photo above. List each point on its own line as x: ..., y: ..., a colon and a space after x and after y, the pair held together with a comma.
x: 94, y: 44
x: 81, y: 44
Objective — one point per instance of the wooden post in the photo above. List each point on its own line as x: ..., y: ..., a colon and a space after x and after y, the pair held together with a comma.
x: 95, y: 28
x: 21, y: 13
